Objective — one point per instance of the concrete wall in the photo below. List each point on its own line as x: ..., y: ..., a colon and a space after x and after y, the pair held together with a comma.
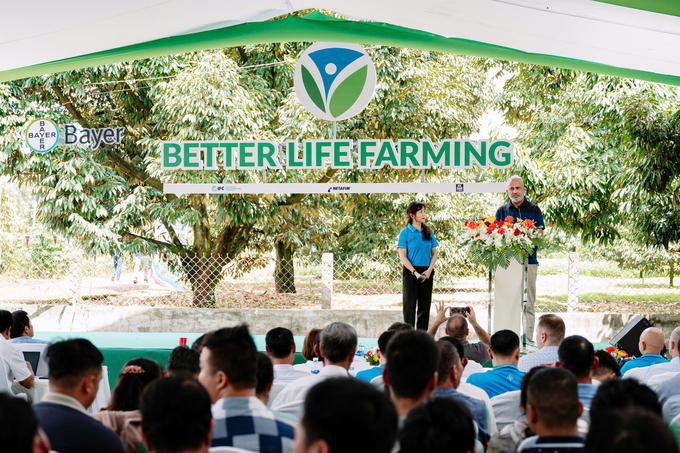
x: 369, y: 323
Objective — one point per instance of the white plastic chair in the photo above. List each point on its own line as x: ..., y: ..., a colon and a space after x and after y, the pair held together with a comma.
x: 378, y: 382
x: 636, y: 373
x: 506, y: 409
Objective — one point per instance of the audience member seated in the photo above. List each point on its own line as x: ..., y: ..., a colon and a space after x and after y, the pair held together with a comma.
x: 338, y: 346
x: 184, y: 361
x: 633, y: 430
x: 668, y: 388
x: 400, y: 326
x: 19, y: 430
x: 13, y: 359
x: 75, y: 372
x: 667, y: 367
x: 671, y: 408
x: 346, y: 415
x: 197, y: 345
x: 457, y: 327
x: 514, y: 432
x: 553, y: 409
x: 651, y: 343
x: 122, y: 414
x: 449, y: 371
x: 577, y: 355
x: 607, y: 367
x: 265, y: 379
x: 549, y: 335
x: 372, y: 373
x: 229, y: 374
x: 309, y: 351
x: 504, y: 377
x: 22, y: 329
x: 621, y: 394
x: 438, y: 425
x: 280, y: 347
x: 411, y: 370
x: 176, y: 416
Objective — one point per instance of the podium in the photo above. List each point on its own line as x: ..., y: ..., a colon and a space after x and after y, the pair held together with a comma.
x: 509, y: 298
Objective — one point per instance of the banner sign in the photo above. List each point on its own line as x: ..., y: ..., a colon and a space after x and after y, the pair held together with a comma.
x: 339, y: 188
x: 314, y: 154
x: 42, y: 135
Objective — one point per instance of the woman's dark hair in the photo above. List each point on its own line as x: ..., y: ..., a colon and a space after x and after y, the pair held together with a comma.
x: 136, y: 374
x: 311, y: 340
x: 414, y: 207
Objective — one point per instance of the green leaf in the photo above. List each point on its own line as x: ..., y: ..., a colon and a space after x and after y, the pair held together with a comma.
x: 347, y: 93
x: 312, y: 89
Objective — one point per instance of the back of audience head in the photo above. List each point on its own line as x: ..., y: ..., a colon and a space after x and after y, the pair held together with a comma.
x: 134, y: 376
x: 630, y: 431
x: 383, y: 341
x: 183, y: 360
x: 265, y: 376
x: 449, y: 361
x: 338, y: 343
x: 607, y: 367
x: 400, y: 326
x: 652, y: 341
x: 549, y: 330
x: 228, y: 362
x: 553, y: 406
x: 6, y: 322
x: 411, y: 364
x: 19, y: 428
x: 438, y: 425
x: 457, y: 326
x: 343, y: 415
x: 525, y: 384
x: 504, y: 346
x: 308, y: 346
x: 21, y: 325
x: 577, y: 355
x: 620, y: 394
x: 280, y: 343
x: 176, y: 416
x: 75, y: 368
x: 197, y: 345
x: 460, y: 349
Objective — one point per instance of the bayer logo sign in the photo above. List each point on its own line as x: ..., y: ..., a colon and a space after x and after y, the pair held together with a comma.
x: 42, y: 135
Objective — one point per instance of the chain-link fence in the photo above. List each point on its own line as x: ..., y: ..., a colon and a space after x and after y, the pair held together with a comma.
x: 565, y: 283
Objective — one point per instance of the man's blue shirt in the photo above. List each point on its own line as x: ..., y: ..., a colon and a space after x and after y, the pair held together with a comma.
x: 527, y: 210
x: 24, y: 339
x: 370, y: 374
x: 499, y: 380
x: 418, y: 250
x: 645, y: 360
x: 586, y: 392
x: 477, y: 407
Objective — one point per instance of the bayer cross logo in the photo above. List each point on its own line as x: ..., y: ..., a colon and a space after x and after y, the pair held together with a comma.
x: 334, y: 81
x: 42, y: 135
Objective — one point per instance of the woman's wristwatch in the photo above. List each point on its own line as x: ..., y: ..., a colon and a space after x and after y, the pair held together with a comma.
x: 413, y: 272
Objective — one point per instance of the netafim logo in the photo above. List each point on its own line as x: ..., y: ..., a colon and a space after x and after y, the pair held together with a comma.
x: 334, y: 81
x: 42, y: 135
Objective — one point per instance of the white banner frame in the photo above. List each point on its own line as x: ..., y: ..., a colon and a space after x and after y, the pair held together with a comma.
x: 333, y: 188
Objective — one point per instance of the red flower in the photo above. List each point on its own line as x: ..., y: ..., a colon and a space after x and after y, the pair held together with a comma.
x: 472, y: 225
x: 490, y: 229
x: 499, y: 223
x: 501, y: 230
x: 466, y: 222
x: 610, y: 349
x: 478, y: 235
x: 517, y: 232
x: 487, y: 223
x: 529, y: 223
x: 510, y: 219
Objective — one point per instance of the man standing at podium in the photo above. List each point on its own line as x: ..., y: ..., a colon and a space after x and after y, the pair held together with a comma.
x: 520, y: 208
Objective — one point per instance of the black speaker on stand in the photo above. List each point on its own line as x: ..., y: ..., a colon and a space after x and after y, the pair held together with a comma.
x: 628, y: 338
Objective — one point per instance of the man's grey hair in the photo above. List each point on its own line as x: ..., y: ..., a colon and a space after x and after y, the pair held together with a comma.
x: 513, y: 177
x: 338, y: 340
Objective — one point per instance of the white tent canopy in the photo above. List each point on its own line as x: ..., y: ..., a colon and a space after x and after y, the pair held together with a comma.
x: 35, y: 32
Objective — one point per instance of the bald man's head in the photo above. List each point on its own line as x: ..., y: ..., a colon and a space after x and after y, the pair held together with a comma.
x: 457, y: 327
x: 652, y: 341
x: 674, y: 343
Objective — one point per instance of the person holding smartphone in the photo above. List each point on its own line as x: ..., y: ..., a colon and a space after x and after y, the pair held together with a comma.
x: 417, y: 248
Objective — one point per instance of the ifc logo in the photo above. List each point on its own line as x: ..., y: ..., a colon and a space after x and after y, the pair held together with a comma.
x: 42, y: 135
x: 334, y: 81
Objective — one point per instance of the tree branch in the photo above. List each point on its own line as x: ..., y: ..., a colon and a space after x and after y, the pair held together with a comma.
x: 173, y: 235
x: 172, y: 247
x: 298, y: 197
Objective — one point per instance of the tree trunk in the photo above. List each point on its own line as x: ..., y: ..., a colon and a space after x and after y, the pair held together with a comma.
x: 204, y: 275
x: 284, y: 273
x: 672, y: 272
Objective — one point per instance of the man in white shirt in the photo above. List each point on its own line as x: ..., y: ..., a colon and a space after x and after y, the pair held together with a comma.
x: 667, y: 367
x: 13, y: 359
x: 22, y: 329
x: 281, y: 349
x: 338, y: 346
x: 549, y: 335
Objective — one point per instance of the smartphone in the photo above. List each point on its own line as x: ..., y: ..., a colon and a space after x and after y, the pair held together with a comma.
x: 460, y: 310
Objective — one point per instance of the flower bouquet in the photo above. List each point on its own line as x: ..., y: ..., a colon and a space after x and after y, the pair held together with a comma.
x: 372, y: 357
x: 618, y: 354
x: 494, y: 242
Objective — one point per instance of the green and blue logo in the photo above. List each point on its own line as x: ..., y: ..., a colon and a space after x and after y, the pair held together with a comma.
x: 334, y: 81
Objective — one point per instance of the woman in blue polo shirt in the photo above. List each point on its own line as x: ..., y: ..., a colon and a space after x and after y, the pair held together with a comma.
x: 418, y: 252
